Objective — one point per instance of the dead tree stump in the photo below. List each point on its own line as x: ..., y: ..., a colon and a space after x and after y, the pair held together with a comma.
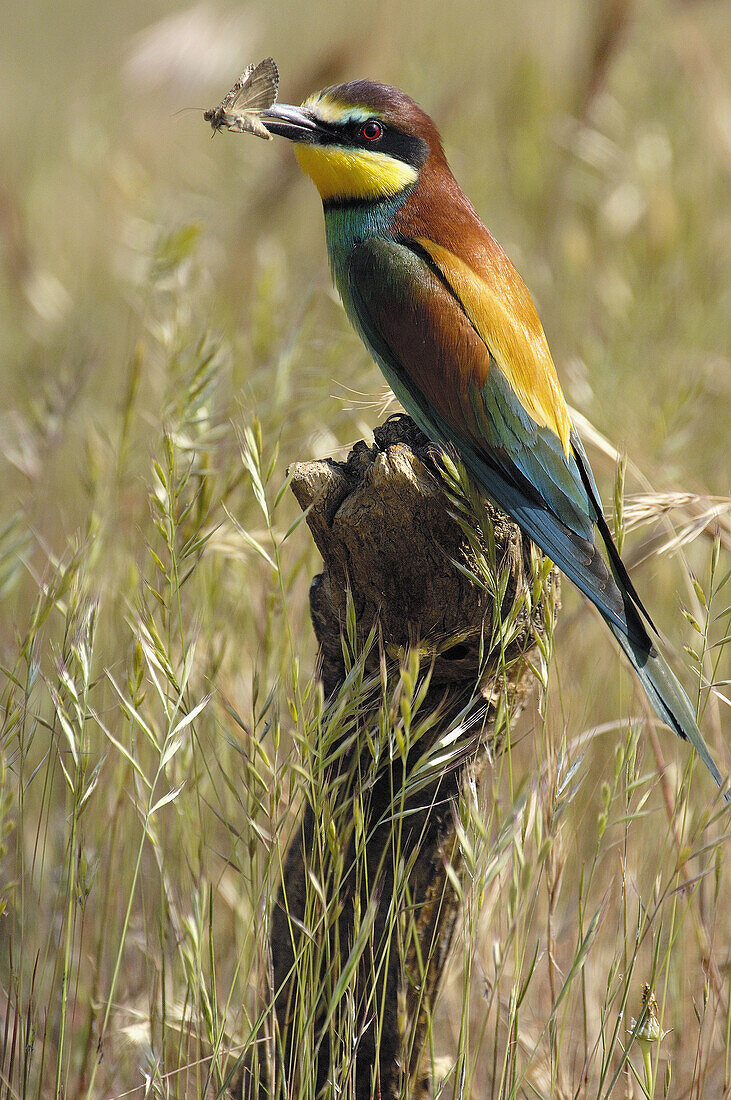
x: 398, y: 562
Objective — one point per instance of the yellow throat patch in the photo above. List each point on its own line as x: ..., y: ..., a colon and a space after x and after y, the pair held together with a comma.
x: 341, y: 173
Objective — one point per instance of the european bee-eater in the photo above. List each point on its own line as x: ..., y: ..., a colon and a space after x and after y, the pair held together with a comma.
x: 454, y: 329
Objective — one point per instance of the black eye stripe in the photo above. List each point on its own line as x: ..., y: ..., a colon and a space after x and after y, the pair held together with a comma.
x: 406, y: 147
x: 354, y: 131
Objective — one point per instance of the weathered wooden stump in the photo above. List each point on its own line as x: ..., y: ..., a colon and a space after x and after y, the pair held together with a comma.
x: 403, y: 569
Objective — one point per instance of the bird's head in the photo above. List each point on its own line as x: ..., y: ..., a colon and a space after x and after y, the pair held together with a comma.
x: 360, y: 141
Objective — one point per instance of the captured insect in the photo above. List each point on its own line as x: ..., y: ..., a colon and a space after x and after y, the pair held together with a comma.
x: 254, y: 91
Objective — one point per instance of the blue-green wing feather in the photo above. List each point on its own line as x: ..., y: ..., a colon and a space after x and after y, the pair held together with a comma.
x: 535, y: 451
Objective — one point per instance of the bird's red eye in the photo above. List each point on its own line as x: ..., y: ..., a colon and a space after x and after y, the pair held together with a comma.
x: 371, y: 130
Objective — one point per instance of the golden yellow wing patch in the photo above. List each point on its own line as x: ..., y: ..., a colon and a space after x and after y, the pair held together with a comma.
x: 515, y: 339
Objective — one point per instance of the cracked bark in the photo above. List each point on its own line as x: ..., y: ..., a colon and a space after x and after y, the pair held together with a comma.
x: 389, y: 542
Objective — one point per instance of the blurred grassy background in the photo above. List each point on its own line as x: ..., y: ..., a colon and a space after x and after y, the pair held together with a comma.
x: 595, y: 141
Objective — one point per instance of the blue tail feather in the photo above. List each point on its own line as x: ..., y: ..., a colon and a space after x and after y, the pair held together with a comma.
x: 667, y: 697
x: 584, y: 565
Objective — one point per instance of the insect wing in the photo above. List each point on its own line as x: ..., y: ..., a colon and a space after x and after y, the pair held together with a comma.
x: 256, y: 89
x: 230, y: 97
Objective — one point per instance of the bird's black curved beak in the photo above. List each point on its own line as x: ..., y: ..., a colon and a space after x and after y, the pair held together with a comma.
x: 295, y: 123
